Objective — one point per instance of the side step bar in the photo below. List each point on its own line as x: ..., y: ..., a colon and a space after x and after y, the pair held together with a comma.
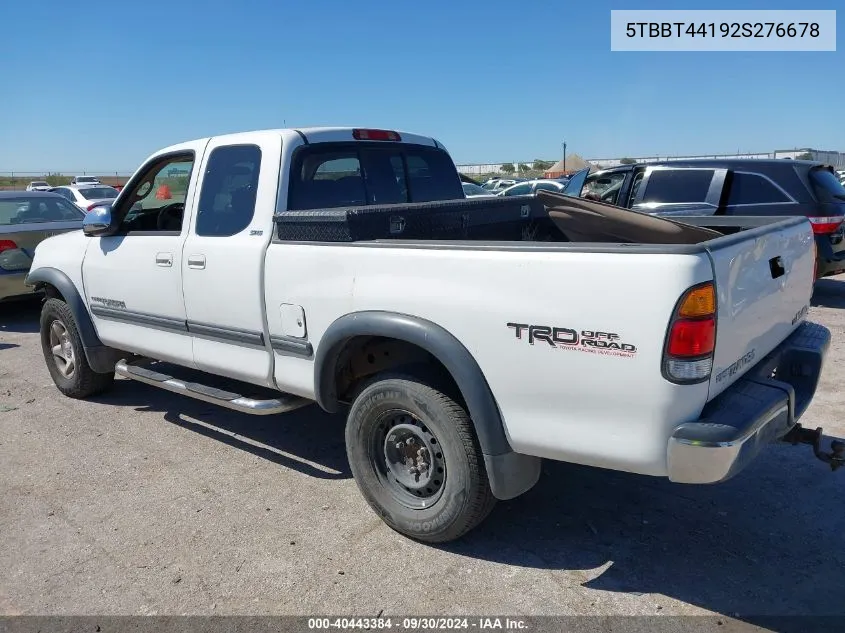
x: 235, y: 401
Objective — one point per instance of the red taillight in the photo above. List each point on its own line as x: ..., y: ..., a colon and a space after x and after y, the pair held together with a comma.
x: 688, y: 356
x: 375, y: 135
x: 826, y: 224
x: 692, y: 338
x: 91, y: 206
x: 7, y: 245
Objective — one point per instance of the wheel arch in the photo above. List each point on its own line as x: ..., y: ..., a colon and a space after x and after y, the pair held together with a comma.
x: 56, y: 283
x: 510, y: 473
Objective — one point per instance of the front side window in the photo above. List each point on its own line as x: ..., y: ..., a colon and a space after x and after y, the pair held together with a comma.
x: 754, y: 189
x: 229, y: 187
x: 677, y: 186
x: 156, y: 200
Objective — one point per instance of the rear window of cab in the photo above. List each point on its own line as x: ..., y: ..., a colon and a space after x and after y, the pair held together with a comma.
x: 359, y: 174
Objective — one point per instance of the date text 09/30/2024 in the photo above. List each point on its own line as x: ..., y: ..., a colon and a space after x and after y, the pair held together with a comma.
x: 418, y: 623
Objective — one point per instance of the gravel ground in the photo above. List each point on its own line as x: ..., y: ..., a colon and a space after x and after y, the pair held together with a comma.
x: 142, y: 502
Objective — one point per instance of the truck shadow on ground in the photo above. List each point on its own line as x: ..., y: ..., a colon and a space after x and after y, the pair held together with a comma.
x: 20, y: 316
x: 829, y: 293
x: 768, y: 542
x: 307, y: 440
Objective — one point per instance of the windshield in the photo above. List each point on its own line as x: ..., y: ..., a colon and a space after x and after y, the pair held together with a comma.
x: 827, y: 185
x: 86, y: 179
x: 25, y: 210
x: 98, y: 193
x: 39, y: 183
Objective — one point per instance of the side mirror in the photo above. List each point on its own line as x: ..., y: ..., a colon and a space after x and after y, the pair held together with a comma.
x: 97, y: 221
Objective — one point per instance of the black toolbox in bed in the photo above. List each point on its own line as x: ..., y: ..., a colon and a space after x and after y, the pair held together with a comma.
x: 502, y: 219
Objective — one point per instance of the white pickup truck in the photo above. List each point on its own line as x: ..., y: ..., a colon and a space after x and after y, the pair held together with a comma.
x: 344, y: 267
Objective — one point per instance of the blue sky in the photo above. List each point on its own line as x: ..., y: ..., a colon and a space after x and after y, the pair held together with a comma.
x: 98, y: 85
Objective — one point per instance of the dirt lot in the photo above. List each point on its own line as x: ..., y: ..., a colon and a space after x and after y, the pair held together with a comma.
x: 143, y: 502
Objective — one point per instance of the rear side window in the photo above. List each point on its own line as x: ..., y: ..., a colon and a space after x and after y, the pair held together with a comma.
x: 677, y: 186
x: 826, y: 185
x: 360, y: 174
x: 754, y: 189
x: 227, y: 199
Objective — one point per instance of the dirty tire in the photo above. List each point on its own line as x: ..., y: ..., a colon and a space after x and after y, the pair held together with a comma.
x: 82, y: 381
x: 392, y: 404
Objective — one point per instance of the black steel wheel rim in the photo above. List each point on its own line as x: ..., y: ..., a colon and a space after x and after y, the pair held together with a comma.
x: 408, y: 459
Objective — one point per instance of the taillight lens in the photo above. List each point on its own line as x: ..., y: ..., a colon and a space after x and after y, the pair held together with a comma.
x: 11, y: 258
x: 692, y: 338
x: 688, y: 356
x: 825, y: 225
x: 91, y: 206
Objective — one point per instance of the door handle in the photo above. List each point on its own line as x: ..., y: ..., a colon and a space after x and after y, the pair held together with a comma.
x: 196, y: 261
x: 164, y: 259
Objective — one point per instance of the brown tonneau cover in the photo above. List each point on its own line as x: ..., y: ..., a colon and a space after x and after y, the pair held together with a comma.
x: 584, y: 220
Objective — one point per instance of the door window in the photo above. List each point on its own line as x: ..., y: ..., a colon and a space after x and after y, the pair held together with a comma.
x: 155, y: 201
x: 677, y: 186
x: 227, y: 199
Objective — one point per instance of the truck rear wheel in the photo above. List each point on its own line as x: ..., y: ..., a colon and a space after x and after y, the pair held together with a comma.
x: 414, y: 455
x: 64, y: 354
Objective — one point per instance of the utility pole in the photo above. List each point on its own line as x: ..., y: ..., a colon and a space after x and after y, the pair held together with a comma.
x: 564, y: 156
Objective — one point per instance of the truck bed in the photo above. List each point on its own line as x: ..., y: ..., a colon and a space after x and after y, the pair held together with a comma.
x: 545, y: 219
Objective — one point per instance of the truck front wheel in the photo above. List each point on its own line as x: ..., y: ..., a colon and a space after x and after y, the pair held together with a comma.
x: 64, y: 354
x: 414, y: 455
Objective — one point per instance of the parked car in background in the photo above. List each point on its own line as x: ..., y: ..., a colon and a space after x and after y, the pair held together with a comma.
x: 27, y: 218
x: 476, y: 191
x: 741, y: 187
x: 525, y: 188
x: 86, y: 197
x: 497, y: 184
x: 38, y: 185
x: 85, y: 180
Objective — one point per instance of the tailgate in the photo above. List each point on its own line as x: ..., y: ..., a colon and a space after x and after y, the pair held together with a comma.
x: 764, y: 281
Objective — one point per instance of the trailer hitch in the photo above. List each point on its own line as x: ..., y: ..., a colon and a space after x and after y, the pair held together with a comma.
x: 800, y: 435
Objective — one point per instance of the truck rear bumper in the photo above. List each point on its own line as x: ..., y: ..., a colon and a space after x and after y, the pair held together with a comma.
x: 759, y: 408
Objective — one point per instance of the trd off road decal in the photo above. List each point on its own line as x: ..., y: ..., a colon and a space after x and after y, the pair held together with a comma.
x: 109, y: 303
x: 590, y: 341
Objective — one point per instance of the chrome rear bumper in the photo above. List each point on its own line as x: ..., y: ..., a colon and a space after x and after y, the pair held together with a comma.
x: 761, y: 407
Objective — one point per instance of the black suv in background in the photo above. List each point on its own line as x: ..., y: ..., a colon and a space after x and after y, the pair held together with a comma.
x: 734, y: 187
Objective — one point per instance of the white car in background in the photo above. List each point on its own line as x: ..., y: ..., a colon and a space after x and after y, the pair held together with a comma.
x: 476, y: 191
x: 85, y: 180
x: 525, y: 188
x: 86, y: 197
x: 38, y: 185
